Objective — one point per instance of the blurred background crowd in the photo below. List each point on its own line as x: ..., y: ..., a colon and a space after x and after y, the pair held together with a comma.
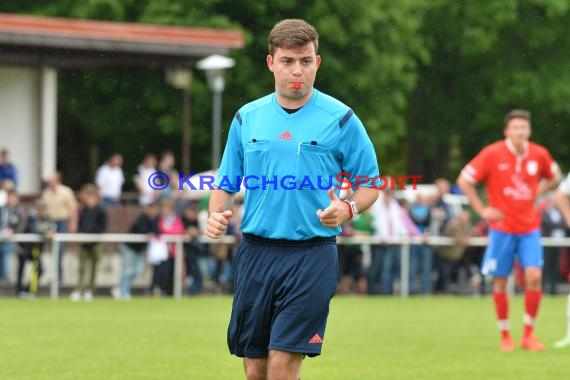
x: 147, y: 268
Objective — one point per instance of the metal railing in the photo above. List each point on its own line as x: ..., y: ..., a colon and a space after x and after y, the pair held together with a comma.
x: 179, y: 241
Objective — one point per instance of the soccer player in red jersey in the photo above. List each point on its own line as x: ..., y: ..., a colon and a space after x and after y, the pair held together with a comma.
x: 513, y: 171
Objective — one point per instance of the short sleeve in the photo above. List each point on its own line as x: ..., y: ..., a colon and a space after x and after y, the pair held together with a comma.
x: 550, y: 169
x: 231, y: 169
x: 357, y: 151
x: 478, y: 168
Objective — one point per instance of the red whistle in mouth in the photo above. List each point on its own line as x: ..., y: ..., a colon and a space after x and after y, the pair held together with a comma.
x: 296, y: 85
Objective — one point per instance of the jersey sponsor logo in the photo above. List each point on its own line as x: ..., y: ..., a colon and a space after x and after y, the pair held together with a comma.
x: 503, y: 167
x: 316, y: 339
x: 520, y: 191
x: 532, y: 167
x: 286, y: 136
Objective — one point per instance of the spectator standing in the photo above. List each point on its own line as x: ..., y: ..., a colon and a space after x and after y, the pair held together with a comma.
x: 174, y: 194
x: 110, y: 179
x: 168, y: 224
x: 145, y: 170
x: 460, y: 229
x: 133, y: 254
x: 10, y: 223
x: 38, y: 222
x: 421, y: 255
x: 552, y: 225
x: 92, y: 220
x: 441, y: 211
x: 389, y: 225
x: 561, y: 201
x: 441, y: 214
x: 166, y: 163
x: 8, y: 171
x: 194, y: 249
x: 62, y: 209
x: 351, y: 255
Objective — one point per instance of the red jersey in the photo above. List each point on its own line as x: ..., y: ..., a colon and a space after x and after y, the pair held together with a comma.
x: 511, y: 181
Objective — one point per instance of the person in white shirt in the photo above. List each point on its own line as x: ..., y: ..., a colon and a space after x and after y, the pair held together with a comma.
x: 110, y: 179
x: 389, y: 225
x: 561, y: 200
x: 147, y: 194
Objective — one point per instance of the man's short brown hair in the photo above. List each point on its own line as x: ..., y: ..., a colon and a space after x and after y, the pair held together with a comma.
x: 89, y: 189
x: 292, y: 33
x: 517, y: 114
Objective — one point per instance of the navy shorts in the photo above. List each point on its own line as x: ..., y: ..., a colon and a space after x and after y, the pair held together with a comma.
x: 282, y: 294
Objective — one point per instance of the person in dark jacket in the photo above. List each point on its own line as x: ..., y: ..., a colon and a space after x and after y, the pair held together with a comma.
x: 10, y: 223
x: 8, y: 171
x: 133, y: 254
x: 38, y: 222
x: 194, y: 249
x: 92, y: 220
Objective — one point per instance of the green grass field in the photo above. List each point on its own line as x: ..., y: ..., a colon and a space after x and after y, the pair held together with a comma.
x: 367, y: 338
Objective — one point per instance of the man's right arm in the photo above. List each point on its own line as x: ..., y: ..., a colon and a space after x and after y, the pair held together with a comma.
x: 561, y: 201
x: 219, y: 211
x: 470, y: 191
x: 73, y: 212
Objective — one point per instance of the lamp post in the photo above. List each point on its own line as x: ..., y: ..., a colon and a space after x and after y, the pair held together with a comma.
x: 181, y: 78
x: 214, y: 66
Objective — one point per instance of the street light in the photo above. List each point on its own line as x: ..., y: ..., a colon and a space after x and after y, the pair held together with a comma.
x: 214, y: 66
x: 181, y: 78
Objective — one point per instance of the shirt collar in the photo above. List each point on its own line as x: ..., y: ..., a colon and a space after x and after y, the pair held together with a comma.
x: 513, y: 150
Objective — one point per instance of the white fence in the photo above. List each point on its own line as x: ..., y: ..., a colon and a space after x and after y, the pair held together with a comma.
x: 179, y: 253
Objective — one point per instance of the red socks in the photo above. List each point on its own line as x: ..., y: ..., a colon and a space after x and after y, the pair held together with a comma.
x: 531, y: 304
x: 502, y: 310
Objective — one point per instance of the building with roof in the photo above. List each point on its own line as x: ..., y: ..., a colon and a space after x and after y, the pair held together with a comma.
x: 32, y: 51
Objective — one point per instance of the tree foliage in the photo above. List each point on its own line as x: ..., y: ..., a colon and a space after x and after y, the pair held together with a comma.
x: 488, y: 58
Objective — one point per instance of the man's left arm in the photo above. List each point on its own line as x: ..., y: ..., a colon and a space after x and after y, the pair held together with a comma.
x: 339, y: 211
x: 353, y: 138
x: 561, y: 201
x: 551, y: 175
x: 364, y: 198
x: 549, y: 184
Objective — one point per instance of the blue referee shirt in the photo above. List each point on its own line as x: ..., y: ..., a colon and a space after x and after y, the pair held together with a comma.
x: 289, y: 161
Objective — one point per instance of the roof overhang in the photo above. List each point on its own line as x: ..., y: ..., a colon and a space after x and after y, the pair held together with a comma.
x: 60, y: 42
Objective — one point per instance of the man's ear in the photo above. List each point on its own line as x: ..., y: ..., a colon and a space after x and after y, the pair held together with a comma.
x: 270, y: 62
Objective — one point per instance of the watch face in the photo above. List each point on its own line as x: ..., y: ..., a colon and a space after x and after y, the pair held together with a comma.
x: 354, y: 208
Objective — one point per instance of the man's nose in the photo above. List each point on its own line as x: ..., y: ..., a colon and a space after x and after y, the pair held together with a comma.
x: 297, y: 69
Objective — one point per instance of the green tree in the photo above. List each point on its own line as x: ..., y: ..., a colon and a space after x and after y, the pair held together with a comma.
x: 487, y: 58
x: 430, y: 80
x: 370, y: 49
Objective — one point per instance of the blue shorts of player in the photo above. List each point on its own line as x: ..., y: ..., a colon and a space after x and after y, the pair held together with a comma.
x: 503, y: 248
x: 282, y: 293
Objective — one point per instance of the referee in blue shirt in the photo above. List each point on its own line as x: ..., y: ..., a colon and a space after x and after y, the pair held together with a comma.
x: 290, y: 147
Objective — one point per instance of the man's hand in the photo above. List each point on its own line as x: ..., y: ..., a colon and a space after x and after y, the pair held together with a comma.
x: 336, y: 214
x: 491, y: 214
x: 218, y: 223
